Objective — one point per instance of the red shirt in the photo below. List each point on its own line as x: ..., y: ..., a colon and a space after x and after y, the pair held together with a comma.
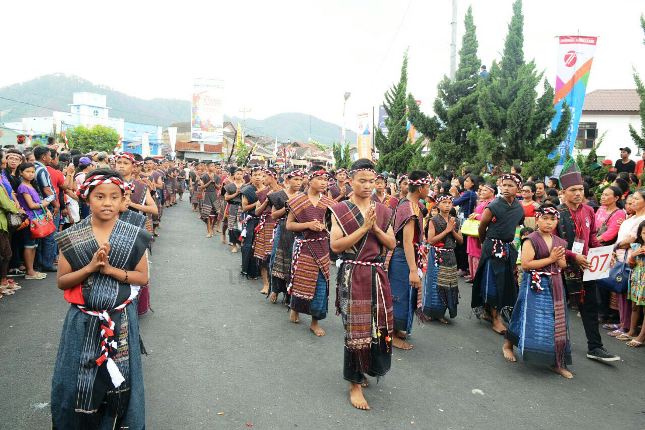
x: 639, y: 167
x: 58, y: 180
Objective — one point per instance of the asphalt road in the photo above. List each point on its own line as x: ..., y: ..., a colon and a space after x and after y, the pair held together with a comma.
x: 223, y: 357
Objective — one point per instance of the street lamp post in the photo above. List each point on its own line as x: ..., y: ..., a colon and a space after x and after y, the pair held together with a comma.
x: 342, y: 130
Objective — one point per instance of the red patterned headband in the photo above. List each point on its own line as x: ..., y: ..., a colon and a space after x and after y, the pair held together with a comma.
x: 490, y: 187
x: 125, y: 155
x: 270, y: 173
x: 419, y: 182
x: 296, y: 174
x: 547, y: 211
x: 403, y: 178
x: 443, y: 197
x: 317, y: 173
x: 512, y: 177
x: 367, y: 169
x: 96, y: 180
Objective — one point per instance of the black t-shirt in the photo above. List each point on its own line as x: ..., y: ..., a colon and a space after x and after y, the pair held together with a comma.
x: 212, y: 187
x: 629, y: 167
x: 506, y: 219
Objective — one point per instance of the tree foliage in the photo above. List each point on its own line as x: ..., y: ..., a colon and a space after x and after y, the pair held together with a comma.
x: 639, y: 138
x: 395, y: 154
x: 242, y: 151
x: 342, y: 156
x: 97, y: 138
x: 515, y: 120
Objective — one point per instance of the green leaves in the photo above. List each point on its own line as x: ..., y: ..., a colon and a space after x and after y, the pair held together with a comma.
x: 97, y: 138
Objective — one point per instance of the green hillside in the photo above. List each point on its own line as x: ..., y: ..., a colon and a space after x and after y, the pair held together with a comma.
x: 40, y: 96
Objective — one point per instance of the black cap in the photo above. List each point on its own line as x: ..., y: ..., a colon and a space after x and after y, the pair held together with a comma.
x: 626, y: 149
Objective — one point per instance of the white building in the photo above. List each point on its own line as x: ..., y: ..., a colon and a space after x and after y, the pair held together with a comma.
x: 87, y: 109
x: 606, y: 115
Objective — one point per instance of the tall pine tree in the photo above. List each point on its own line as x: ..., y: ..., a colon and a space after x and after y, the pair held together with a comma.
x: 514, y: 119
x: 394, y: 154
x: 455, y: 108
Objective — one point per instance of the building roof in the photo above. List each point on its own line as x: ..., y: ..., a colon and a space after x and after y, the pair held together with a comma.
x: 612, y: 101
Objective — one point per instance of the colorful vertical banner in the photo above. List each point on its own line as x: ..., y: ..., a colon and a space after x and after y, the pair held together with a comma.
x: 207, y: 114
x: 575, y: 55
x: 364, y: 136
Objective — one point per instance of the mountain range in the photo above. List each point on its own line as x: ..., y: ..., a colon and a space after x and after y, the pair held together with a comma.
x: 41, y: 96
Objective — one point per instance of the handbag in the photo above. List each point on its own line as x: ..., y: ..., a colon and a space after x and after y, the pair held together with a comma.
x: 42, y: 226
x: 618, y: 279
x: 470, y: 227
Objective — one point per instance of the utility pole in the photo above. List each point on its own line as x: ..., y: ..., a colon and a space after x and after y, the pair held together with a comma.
x: 342, y: 130
x: 453, y: 41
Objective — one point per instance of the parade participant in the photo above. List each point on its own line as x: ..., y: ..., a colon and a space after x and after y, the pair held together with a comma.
x: 156, y: 179
x: 495, y: 283
x: 539, y: 326
x: 360, y: 229
x: 341, y: 189
x: 137, y: 201
x: 441, y: 281
x: 181, y: 183
x: 528, y: 204
x: 284, y: 239
x: 309, y: 285
x: 577, y: 226
x: 249, y: 192
x: 210, y: 184
x: 98, y: 380
x: 403, y: 187
x: 234, y: 200
x: 262, y: 243
x: 407, y: 259
x: 381, y: 196
x: 487, y: 193
x: 195, y: 172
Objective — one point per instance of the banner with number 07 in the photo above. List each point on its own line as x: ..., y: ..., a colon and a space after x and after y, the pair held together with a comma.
x: 599, y: 263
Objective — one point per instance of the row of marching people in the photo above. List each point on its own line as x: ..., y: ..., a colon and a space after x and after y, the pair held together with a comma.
x: 395, y: 252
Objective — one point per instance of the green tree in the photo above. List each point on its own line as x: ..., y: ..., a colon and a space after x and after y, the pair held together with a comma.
x: 342, y: 156
x: 97, y: 138
x: 639, y: 139
x: 242, y: 151
x: 394, y: 154
x: 455, y: 108
x: 515, y: 120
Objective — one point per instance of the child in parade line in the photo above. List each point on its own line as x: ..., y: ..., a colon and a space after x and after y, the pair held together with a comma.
x: 98, y: 380
x: 441, y: 280
x: 539, y: 326
x: 408, y: 259
x: 360, y: 232
x: 309, y: 285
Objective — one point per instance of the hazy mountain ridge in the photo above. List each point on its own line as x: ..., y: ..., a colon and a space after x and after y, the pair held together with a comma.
x: 38, y: 97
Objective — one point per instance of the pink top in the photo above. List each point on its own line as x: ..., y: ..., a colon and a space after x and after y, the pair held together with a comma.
x: 473, y: 247
x: 617, y: 217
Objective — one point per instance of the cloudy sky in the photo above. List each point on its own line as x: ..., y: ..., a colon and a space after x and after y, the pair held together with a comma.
x: 297, y: 55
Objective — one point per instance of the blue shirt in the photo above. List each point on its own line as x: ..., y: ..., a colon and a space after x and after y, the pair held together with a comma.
x: 43, y: 180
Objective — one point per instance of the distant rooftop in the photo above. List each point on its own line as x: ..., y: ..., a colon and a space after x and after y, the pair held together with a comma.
x: 612, y: 101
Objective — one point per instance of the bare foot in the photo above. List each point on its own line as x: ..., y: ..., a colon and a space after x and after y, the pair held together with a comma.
x: 507, y: 350
x: 399, y: 343
x: 265, y: 290
x: 565, y: 373
x: 293, y: 317
x: 498, y: 326
x: 444, y: 321
x: 356, y: 397
x: 316, y: 328
x: 273, y: 297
